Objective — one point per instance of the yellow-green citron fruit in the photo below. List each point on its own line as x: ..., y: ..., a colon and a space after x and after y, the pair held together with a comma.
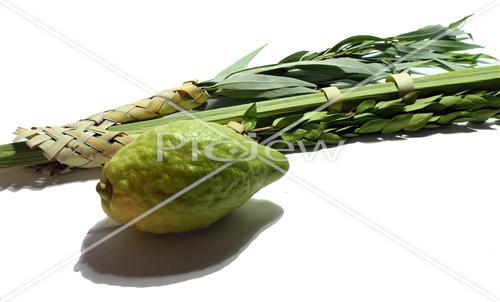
x: 165, y: 160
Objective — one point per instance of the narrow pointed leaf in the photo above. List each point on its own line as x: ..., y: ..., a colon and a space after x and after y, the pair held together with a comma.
x: 459, y: 23
x: 297, y: 56
x: 372, y: 126
x: 247, y: 81
x: 238, y: 65
x: 417, y: 121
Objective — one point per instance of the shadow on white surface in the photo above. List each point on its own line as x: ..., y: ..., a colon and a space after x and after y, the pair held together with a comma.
x: 138, y: 259
x: 18, y: 178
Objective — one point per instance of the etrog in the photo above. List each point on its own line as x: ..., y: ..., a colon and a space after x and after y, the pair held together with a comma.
x: 163, y: 161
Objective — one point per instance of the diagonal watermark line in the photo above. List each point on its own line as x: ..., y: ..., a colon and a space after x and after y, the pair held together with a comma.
x: 480, y: 11
x: 122, y: 228
x: 76, y: 46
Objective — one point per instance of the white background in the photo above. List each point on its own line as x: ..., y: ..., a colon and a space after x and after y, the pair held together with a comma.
x: 437, y: 193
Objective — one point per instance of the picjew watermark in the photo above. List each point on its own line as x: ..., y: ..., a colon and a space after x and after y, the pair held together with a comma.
x: 229, y: 150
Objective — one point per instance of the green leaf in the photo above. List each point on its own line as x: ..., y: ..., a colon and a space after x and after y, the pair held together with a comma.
x: 335, y: 117
x: 431, y: 126
x: 418, y: 121
x: 450, y: 66
x: 314, y: 116
x: 435, y: 107
x: 434, y: 119
x: 246, y: 81
x: 385, y: 104
x: 294, y: 136
x: 399, y: 67
x: 297, y: 56
x: 238, y: 65
x: 422, y: 103
x: 470, y: 58
x: 427, y: 32
x: 372, y: 126
x: 390, y: 110
x: 366, y: 106
x: 313, y: 126
x: 470, y: 102
x: 282, y: 122
x: 397, y: 123
x: 265, y: 94
x: 484, y: 114
x: 284, y: 92
x: 364, y: 117
x: 493, y: 101
x: 415, y: 107
x: 330, y: 138
x: 337, y: 65
x: 449, y: 100
x: 429, y: 99
x: 445, y: 45
x: 344, y: 129
x: 466, y: 119
x: 249, y: 119
x: 448, y: 118
x: 307, y: 143
x: 352, y: 40
x: 350, y: 135
x: 459, y: 23
x: 410, y: 97
x: 419, y: 54
x: 314, y: 131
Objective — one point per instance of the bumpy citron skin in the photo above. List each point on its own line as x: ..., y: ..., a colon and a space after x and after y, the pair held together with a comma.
x: 134, y: 181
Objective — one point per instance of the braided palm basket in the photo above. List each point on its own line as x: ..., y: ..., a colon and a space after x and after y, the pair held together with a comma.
x: 87, y: 143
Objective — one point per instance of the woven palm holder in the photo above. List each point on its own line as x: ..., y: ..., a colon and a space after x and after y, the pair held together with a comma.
x: 403, y: 82
x: 237, y: 127
x: 87, y: 143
